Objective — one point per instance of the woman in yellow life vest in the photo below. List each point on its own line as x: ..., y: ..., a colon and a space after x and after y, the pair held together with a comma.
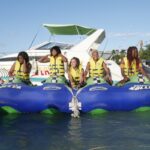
x: 97, y: 70
x: 57, y: 65
x: 131, y: 66
x: 75, y: 73
x: 21, y: 68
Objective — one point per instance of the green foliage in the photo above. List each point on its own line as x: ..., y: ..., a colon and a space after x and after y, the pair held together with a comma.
x: 117, y: 56
x: 145, y: 53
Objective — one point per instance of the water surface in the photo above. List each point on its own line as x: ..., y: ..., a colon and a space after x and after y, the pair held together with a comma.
x: 109, y: 131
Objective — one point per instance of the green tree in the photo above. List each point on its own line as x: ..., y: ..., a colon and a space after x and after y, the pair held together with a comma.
x: 117, y: 56
x: 145, y: 53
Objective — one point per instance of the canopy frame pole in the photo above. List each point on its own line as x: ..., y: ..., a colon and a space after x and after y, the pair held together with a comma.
x: 89, y: 31
x: 77, y: 30
x: 34, y: 38
x: 52, y: 38
x: 80, y: 37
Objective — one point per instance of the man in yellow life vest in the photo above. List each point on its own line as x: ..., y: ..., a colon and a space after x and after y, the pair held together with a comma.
x: 131, y: 67
x: 57, y: 65
x: 97, y: 69
x: 20, y: 70
x: 75, y: 73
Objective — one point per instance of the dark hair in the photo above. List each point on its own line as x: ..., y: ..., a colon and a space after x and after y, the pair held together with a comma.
x: 57, y: 49
x: 24, y: 55
x: 77, y: 60
x: 131, y: 58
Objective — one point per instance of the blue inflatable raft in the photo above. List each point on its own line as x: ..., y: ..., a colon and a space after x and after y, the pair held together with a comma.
x: 26, y: 99
x: 111, y: 98
x: 23, y: 98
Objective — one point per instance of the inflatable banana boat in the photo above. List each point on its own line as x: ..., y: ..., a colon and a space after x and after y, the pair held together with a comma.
x: 24, y: 98
x: 103, y: 96
x: 30, y: 99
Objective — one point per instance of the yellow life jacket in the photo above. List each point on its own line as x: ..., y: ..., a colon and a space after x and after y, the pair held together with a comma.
x: 75, y: 73
x: 96, y: 68
x: 19, y: 71
x: 130, y: 70
x: 56, y: 66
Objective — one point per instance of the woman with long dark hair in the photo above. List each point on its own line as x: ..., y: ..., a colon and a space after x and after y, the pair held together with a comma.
x: 131, y: 66
x: 21, y: 68
x: 57, y: 65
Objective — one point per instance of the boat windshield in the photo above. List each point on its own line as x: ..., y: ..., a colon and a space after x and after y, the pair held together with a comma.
x: 51, y: 44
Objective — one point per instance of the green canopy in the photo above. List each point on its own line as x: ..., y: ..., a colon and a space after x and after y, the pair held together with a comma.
x: 68, y: 29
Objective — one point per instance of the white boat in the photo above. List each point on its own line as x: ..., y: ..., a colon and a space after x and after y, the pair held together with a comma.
x: 40, y: 71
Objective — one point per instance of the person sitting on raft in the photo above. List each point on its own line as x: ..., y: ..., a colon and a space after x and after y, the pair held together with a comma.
x: 97, y: 69
x: 57, y: 65
x: 131, y: 67
x: 75, y: 73
x: 20, y: 70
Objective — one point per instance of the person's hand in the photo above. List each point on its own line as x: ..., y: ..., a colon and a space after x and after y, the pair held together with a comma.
x: 108, y: 77
x: 84, y: 79
x: 125, y: 79
x: 24, y: 61
x: 122, y: 81
x: 10, y: 74
x: 72, y: 85
x: 79, y: 85
x: 110, y: 80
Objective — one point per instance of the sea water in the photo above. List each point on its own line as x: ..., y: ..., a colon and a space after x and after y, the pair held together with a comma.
x: 107, y: 131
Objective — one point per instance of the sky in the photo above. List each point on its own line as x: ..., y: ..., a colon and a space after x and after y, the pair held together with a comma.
x: 126, y: 22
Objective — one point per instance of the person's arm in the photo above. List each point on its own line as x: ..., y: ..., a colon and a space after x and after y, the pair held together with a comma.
x: 65, y: 60
x: 44, y: 59
x: 108, y: 74
x: 29, y: 67
x: 26, y: 67
x: 86, y: 71
x: 81, y: 77
x: 71, y: 80
x: 11, y: 71
x: 81, y: 82
x: 125, y: 78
